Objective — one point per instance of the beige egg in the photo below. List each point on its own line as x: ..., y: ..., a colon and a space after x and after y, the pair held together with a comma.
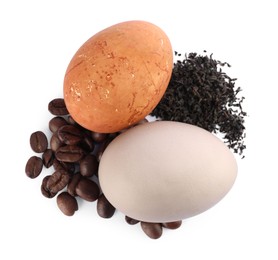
x: 166, y: 171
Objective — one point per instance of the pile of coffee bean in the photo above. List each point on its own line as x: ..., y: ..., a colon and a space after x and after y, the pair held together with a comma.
x: 74, y: 153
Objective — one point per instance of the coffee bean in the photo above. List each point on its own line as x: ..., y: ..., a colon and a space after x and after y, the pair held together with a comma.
x: 55, y: 142
x: 101, y: 148
x: 69, y: 153
x: 67, y: 203
x: 58, y: 181
x: 73, y: 183
x: 152, y: 230
x: 68, y: 167
x: 131, y: 221
x: 172, y: 225
x: 104, y: 208
x: 56, y: 122
x: 75, y: 153
x: 71, y: 120
x: 69, y: 134
x: 47, y: 158
x: 89, y: 165
x: 44, y: 190
x: 33, y: 167
x: 99, y: 137
x: 87, y: 189
x: 58, y: 107
x: 38, y: 142
x: 57, y: 165
x: 87, y: 143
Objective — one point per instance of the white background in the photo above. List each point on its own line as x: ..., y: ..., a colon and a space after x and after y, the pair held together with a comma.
x: 38, y: 39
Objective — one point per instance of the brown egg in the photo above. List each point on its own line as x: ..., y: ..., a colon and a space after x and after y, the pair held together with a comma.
x: 118, y: 76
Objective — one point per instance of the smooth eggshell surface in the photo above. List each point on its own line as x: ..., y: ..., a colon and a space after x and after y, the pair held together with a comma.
x: 118, y: 76
x: 166, y: 171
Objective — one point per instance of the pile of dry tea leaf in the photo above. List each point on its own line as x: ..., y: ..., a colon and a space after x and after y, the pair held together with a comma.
x: 200, y: 93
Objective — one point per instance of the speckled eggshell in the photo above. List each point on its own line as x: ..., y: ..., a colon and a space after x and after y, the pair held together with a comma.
x: 166, y: 171
x: 118, y: 76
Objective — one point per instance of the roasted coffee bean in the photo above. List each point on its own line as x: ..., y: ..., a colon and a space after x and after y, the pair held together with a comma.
x: 55, y: 142
x: 47, y: 158
x: 58, y: 107
x: 99, y: 137
x: 58, y: 181
x: 57, y: 165
x: 71, y: 120
x: 104, y: 208
x: 56, y: 122
x: 101, y: 148
x: 69, y: 153
x: 87, y: 143
x: 89, y: 165
x: 87, y: 189
x: 44, y: 190
x: 69, y: 167
x: 152, y: 230
x: 172, y: 225
x: 73, y: 183
x: 69, y: 134
x: 33, y: 167
x: 67, y: 203
x: 131, y: 221
x: 38, y: 142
